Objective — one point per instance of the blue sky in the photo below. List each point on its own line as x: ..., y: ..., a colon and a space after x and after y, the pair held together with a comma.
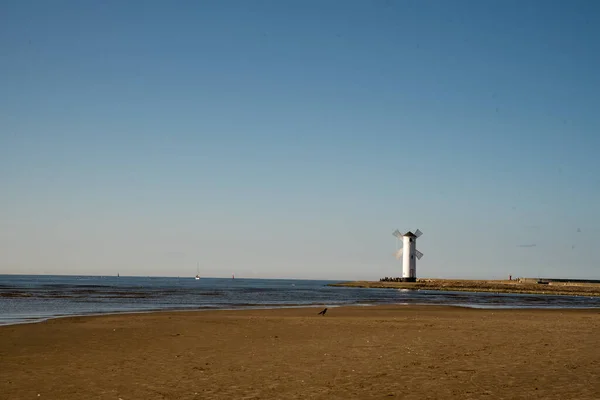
x: 291, y: 138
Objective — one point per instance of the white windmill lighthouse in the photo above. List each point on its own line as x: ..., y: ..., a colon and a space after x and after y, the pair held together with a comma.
x: 409, y: 253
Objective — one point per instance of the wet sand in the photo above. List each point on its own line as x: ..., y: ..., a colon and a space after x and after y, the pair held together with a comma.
x: 408, y: 352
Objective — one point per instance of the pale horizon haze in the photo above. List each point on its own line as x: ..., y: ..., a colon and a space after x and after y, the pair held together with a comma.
x: 289, y: 139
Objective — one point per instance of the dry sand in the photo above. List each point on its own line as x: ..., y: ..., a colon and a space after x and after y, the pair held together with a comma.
x: 410, y: 352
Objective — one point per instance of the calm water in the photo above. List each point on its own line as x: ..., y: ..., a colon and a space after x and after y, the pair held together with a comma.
x: 28, y: 298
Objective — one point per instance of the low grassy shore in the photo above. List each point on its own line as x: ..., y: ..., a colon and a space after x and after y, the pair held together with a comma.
x: 495, y: 286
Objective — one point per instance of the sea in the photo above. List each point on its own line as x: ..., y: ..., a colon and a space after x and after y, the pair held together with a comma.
x: 34, y: 298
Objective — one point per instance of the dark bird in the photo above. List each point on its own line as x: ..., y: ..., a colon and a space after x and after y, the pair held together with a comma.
x: 323, y: 312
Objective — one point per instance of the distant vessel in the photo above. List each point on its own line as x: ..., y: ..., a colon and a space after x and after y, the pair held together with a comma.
x: 232, y: 276
x: 198, y: 272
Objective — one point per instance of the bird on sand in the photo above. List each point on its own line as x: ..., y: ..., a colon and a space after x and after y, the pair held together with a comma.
x: 323, y: 312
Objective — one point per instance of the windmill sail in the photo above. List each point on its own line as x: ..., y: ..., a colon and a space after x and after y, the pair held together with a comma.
x: 418, y: 254
x: 399, y: 253
x: 418, y: 233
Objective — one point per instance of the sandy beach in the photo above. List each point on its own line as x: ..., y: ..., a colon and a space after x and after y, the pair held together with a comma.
x: 408, y: 352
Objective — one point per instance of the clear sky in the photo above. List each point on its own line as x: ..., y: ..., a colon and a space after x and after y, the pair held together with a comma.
x: 291, y: 138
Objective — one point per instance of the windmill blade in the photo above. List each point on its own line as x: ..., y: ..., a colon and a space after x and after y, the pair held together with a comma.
x: 418, y: 233
x: 397, y: 233
x: 418, y: 254
x: 399, y: 253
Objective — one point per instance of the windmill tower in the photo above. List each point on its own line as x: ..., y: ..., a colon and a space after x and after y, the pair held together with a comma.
x: 409, y: 253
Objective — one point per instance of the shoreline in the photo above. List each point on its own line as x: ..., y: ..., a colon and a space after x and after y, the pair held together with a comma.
x: 31, y: 321
x: 482, y: 286
x: 383, y: 306
x: 168, y: 310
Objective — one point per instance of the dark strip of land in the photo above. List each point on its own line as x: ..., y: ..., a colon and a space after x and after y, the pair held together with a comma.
x: 525, y: 286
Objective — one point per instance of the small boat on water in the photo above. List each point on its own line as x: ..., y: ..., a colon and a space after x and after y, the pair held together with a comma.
x: 198, y: 272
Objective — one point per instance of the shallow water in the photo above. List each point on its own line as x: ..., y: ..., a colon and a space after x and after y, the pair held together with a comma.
x: 30, y: 298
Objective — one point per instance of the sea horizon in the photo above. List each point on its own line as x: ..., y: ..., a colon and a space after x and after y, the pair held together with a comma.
x: 186, y: 277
